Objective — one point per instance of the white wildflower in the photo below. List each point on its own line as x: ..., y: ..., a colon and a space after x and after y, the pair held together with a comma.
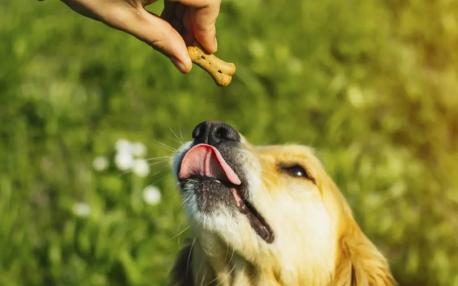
x: 138, y: 149
x: 123, y: 146
x: 129, y: 157
x: 81, y: 209
x: 100, y: 163
x: 141, y: 168
x: 152, y: 195
x: 124, y: 160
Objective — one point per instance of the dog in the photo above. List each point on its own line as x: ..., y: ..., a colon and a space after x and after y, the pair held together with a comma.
x: 266, y: 215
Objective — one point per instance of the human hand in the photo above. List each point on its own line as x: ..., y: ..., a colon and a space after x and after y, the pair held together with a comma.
x: 182, y: 22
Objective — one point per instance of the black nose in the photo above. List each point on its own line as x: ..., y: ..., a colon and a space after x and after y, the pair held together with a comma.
x: 214, y: 132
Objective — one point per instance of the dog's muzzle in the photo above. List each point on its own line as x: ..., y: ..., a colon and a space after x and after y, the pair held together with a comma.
x: 210, y: 169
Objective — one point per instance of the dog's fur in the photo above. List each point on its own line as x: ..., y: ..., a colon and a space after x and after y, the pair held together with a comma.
x: 317, y: 240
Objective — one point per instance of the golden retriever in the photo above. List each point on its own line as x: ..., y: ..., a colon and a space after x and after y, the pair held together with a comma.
x: 266, y: 215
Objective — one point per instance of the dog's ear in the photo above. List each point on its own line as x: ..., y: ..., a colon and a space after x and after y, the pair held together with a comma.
x: 181, y: 274
x: 360, y: 263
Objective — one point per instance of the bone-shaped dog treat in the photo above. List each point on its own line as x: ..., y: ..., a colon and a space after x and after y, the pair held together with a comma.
x: 220, y: 70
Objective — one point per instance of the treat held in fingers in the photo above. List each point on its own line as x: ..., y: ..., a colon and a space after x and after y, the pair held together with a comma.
x: 220, y: 70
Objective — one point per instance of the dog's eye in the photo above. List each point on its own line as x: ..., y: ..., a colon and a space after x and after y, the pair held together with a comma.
x: 295, y: 171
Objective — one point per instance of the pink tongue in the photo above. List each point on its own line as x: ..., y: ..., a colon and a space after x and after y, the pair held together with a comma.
x: 205, y: 160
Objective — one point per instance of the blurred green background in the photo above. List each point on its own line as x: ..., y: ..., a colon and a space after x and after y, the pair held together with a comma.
x: 372, y: 85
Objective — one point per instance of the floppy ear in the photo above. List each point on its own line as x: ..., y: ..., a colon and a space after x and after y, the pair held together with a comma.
x: 361, y: 264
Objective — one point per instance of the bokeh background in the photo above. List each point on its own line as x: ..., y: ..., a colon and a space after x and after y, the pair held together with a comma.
x: 89, y: 117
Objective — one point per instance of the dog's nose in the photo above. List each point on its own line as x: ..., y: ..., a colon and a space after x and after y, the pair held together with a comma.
x: 214, y: 132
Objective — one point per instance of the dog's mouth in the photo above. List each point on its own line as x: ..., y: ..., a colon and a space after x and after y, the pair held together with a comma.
x: 218, y: 181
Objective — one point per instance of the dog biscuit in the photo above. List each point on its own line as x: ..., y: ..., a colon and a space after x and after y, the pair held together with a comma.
x: 220, y: 70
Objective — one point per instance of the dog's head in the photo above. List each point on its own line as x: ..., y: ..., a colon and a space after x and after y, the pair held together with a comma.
x: 274, y: 208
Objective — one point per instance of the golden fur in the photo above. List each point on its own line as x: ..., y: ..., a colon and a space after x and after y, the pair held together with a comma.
x: 317, y: 240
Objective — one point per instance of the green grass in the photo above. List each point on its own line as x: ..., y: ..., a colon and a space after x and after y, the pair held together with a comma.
x: 372, y: 85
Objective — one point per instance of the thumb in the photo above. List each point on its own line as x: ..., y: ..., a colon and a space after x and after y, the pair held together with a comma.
x: 200, y: 21
x: 156, y: 32
x: 203, y: 26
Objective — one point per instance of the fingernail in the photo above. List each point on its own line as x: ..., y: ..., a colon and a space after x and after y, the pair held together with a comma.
x: 181, y: 66
x: 216, y: 44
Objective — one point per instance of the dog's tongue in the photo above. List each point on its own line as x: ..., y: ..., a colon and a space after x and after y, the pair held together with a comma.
x: 205, y: 160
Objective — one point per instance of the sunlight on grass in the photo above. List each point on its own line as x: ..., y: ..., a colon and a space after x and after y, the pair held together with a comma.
x: 90, y: 118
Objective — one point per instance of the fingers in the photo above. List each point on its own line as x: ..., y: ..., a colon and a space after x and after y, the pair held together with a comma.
x: 203, y: 27
x: 173, y: 13
x: 154, y: 31
x: 193, y: 20
x: 201, y: 19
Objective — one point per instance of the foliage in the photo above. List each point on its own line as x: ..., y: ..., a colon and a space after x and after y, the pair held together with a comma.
x: 372, y: 85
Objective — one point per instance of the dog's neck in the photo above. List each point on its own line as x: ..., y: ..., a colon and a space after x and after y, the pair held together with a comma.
x: 353, y: 260
x: 228, y: 269
x: 223, y: 266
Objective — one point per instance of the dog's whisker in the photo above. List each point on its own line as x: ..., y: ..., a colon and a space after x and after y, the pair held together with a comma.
x: 188, y: 259
x: 213, y: 280
x: 181, y: 232
x: 158, y: 158
x: 186, y: 201
x: 230, y: 273
x: 152, y: 164
x: 232, y: 256
x: 166, y: 147
x: 203, y: 279
x: 179, y: 140
x: 156, y: 175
